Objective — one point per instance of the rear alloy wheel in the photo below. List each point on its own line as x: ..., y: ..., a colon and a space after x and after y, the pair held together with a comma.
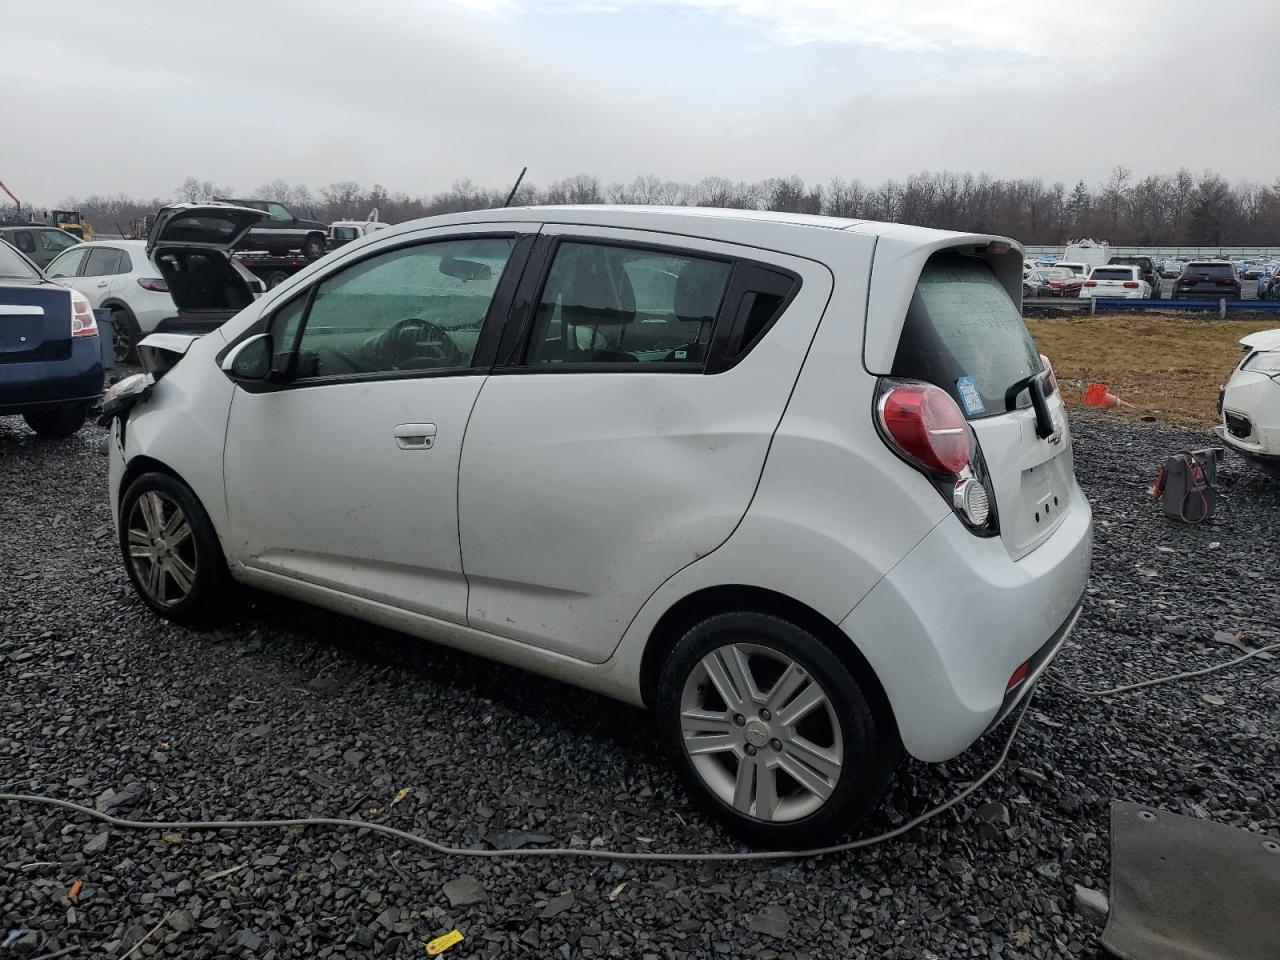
x: 771, y: 732
x: 124, y: 336
x: 170, y: 549
x: 313, y: 247
x: 56, y: 423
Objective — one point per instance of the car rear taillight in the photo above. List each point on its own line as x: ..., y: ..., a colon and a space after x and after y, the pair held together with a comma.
x: 926, y: 426
x: 1091, y: 283
x: 1131, y: 284
x: 154, y: 284
x: 83, y: 323
x: 1184, y: 281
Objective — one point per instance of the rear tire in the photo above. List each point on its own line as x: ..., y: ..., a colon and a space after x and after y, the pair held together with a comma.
x: 170, y: 550
x: 313, y: 247
x: 56, y: 423
x: 124, y: 335
x: 793, y: 767
x: 275, y: 278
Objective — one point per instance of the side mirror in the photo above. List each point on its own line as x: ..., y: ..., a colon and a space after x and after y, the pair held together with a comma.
x: 250, y: 360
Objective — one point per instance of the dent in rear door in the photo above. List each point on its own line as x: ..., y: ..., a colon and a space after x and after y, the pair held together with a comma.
x: 581, y: 492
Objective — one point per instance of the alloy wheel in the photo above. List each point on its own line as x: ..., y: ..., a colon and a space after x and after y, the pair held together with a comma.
x: 161, y: 548
x: 761, y: 732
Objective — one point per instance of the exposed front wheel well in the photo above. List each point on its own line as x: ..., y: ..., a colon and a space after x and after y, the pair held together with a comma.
x: 724, y: 599
x: 144, y: 464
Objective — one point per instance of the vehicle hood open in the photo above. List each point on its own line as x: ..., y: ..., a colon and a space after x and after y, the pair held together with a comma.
x: 211, y: 226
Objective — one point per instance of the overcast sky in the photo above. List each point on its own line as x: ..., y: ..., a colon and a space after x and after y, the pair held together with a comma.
x: 135, y: 96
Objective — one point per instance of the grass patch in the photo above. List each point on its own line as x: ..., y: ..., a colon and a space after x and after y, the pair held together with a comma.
x: 1163, y: 364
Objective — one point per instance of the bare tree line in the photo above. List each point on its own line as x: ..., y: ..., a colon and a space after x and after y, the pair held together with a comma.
x: 1177, y: 208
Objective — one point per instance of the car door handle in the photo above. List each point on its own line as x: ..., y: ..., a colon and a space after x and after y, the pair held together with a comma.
x: 102, y: 283
x: 415, y: 436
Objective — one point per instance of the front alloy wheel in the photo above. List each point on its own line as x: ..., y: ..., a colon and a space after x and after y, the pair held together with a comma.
x: 170, y: 549
x: 771, y: 732
x: 161, y: 549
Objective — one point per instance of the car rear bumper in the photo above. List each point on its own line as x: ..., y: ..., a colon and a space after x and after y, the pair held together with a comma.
x: 50, y: 384
x: 1206, y: 294
x: 949, y: 625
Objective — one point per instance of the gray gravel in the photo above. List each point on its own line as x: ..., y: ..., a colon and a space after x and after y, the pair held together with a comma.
x: 288, y: 711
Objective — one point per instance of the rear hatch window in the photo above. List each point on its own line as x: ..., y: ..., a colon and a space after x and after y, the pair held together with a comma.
x: 1103, y: 273
x: 1210, y: 271
x: 964, y: 334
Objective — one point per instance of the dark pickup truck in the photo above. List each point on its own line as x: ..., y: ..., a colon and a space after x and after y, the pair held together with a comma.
x: 280, y: 231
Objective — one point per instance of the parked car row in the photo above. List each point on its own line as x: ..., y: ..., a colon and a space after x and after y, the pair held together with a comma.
x: 1139, y: 277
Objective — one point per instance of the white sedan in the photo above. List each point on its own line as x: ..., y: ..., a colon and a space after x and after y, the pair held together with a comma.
x: 178, y: 280
x: 1250, y: 403
x: 1116, y: 280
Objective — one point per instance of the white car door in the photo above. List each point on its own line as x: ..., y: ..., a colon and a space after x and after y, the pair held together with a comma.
x: 100, y: 276
x: 345, y: 475
x: 625, y: 438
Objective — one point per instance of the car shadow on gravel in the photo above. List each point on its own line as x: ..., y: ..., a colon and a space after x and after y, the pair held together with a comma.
x: 355, y: 647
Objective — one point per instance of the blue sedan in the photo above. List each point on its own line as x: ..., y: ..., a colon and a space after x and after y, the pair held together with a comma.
x: 50, y: 356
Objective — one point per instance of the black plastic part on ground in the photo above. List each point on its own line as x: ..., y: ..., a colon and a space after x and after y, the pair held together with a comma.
x: 288, y: 711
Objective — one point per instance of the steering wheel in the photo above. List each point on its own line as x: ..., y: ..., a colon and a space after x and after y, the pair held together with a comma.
x: 415, y: 344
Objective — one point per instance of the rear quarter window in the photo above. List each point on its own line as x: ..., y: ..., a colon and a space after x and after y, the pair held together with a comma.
x: 963, y: 334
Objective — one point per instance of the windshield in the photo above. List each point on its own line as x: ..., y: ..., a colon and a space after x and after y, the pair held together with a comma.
x: 964, y: 334
x: 14, y: 265
x: 1056, y: 273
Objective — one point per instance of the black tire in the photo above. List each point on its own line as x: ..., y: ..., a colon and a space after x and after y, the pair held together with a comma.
x: 313, y: 247
x: 871, y: 748
x: 56, y: 423
x: 275, y: 278
x: 124, y: 335
x: 200, y: 552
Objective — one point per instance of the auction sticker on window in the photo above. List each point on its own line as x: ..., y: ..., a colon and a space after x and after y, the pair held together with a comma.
x: 967, y: 387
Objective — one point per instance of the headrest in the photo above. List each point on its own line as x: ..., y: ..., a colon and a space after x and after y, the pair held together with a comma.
x: 598, y: 290
x: 699, y: 288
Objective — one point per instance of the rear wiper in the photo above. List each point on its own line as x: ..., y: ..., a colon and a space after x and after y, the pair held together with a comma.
x: 1034, y: 382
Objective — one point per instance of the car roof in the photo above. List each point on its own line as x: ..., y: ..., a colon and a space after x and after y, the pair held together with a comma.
x: 713, y: 222
x: 119, y: 244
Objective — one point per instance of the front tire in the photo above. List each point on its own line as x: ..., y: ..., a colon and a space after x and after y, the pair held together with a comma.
x: 56, y: 423
x: 170, y: 549
x: 770, y: 732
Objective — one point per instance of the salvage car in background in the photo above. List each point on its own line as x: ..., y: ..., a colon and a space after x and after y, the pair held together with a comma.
x: 680, y: 485
x: 50, y: 357
x: 1146, y: 266
x: 1250, y: 403
x: 1078, y: 268
x: 1061, y: 281
x: 281, y: 230
x: 39, y: 244
x: 1120, y: 280
x: 1207, y: 280
x: 179, y: 279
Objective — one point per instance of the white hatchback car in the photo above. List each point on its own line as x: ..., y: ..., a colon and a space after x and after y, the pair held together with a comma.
x: 181, y: 279
x: 802, y: 485
x: 1250, y: 403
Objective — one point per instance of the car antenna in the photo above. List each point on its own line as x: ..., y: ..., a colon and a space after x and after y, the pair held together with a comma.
x: 516, y: 186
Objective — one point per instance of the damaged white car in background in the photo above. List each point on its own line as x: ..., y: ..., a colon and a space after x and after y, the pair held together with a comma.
x: 1250, y: 403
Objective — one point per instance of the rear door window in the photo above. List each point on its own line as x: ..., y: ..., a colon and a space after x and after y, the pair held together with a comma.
x: 607, y: 304
x: 103, y: 262
x: 963, y: 334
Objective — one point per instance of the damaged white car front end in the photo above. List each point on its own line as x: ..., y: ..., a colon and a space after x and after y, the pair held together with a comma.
x: 1250, y: 403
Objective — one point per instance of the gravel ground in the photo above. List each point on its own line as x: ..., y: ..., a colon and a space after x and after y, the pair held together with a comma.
x: 288, y: 711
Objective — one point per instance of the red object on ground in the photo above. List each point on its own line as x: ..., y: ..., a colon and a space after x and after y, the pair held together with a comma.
x: 1097, y: 395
